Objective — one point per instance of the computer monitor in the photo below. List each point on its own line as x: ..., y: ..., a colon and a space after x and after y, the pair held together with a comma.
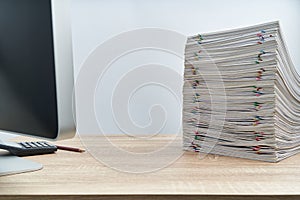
x: 36, y: 72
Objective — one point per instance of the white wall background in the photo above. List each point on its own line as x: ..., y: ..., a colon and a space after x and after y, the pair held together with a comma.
x: 95, y: 21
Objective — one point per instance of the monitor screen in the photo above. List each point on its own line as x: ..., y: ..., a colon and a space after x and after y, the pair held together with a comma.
x: 27, y: 73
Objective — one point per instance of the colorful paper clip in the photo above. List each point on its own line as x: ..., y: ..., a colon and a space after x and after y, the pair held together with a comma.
x: 258, y: 136
x: 196, y: 97
x: 194, y: 71
x: 195, y: 147
x: 256, y: 148
x: 195, y: 84
x: 261, y: 37
x: 257, y: 106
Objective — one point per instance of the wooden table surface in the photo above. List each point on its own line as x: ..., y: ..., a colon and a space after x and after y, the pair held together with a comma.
x: 71, y: 175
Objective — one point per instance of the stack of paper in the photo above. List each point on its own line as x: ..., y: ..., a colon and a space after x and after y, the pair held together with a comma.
x: 241, y: 94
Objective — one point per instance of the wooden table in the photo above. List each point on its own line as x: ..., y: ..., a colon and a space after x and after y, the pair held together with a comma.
x: 69, y: 175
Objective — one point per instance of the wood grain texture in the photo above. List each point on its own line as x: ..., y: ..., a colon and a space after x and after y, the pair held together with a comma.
x: 72, y: 174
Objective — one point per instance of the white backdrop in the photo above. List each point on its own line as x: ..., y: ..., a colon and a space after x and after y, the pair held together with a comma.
x: 95, y: 21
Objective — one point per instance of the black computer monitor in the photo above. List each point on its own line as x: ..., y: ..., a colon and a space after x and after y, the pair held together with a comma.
x: 36, y: 70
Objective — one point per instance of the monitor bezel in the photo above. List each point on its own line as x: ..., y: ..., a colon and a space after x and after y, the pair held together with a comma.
x: 64, y: 75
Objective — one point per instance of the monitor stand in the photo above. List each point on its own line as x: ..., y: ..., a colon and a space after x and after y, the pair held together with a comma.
x: 10, y: 164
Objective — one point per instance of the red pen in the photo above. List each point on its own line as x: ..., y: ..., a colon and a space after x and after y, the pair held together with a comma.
x: 70, y: 149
